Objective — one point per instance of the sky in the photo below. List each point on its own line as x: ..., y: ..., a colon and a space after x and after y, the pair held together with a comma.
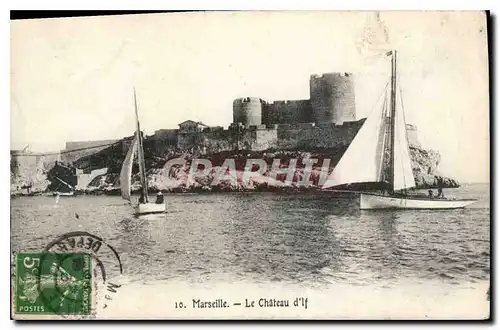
x: 73, y: 79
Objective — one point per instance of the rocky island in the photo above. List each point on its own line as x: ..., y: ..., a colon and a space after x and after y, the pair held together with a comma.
x: 286, y: 135
x: 174, y: 179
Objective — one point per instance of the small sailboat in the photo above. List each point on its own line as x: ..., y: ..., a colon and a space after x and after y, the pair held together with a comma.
x: 377, y: 163
x: 143, y: 206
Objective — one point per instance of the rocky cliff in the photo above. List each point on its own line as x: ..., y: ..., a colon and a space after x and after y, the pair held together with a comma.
x: 425, y: 164
x: 425, y: 169
x: 27, y: 178
x: 176, y: 178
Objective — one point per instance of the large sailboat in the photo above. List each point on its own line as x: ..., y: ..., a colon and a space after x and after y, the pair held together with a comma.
x: 377, y: 163
x: 143, y: 206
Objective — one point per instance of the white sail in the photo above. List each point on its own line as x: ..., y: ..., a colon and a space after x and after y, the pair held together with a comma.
x: 126, y: 172
x: 142, y: 166
x: 140, y: 154
x: 403, y: 173
x: 362, y: 161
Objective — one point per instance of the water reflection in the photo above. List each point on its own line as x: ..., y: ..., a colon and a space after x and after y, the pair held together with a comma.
x: 276, y: 237
x: 137, y: 245
x: 263, y: 237
x: 292, y: 243
x: 383, y: 249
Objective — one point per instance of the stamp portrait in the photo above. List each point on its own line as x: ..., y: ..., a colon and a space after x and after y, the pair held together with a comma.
x: 49, y: 283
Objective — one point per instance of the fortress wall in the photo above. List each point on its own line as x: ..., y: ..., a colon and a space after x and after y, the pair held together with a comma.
x: 21, y: 164
x: 312, y: 137
x: 246, y: 140
x: 166, y: 134
x: 336, y: 136
x: 165, y: 140
x: 49, y: 161
x: 188, y: 141
x: 69, y: 156
x: 72, y: 145
x: 287, y: 112
x: 218, y: 140
x: 223, y: 140
x: 265, y: 139
x: 289, y: 138
x: 284, y: 137
x: 324, y: 136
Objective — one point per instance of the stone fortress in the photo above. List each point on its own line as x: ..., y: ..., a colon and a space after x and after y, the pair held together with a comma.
x: 326, y: 120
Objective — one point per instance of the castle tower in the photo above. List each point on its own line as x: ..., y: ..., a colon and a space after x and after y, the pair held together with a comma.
x: 332, y: 98
x: 248, y: 111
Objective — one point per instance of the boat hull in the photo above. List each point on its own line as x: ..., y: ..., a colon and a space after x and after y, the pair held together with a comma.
x: 63, y: 194
x: 373, y: 202
x: 150, y: 208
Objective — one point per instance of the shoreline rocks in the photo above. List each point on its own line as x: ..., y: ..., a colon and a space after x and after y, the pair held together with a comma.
x: 424, y: 162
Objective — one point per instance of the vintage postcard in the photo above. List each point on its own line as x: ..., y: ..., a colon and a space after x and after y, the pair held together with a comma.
x: 251, y: 165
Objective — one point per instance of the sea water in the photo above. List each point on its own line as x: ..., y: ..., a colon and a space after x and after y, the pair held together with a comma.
x: 284, y: 242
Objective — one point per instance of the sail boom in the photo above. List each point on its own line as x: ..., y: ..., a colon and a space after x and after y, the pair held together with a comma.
x: 362, y: 186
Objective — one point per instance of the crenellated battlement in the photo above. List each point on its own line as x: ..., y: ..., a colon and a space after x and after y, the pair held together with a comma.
x: 331, y: 99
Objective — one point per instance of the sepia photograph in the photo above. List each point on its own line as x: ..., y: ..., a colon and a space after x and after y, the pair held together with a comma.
x: 251, y: 165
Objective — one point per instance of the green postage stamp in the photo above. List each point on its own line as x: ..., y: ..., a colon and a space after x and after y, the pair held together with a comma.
x: 53, y: 283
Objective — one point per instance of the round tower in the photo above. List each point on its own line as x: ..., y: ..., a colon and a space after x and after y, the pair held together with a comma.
x: 248, y: 111
x: 332, y: 98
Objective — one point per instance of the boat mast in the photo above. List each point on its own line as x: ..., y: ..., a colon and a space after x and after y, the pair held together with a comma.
x: 140, y: 153
x: 392, y: 119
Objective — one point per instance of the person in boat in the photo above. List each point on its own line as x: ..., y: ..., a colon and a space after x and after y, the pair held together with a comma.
x: 159, y: 198
x: 141, y: 199
x: 431, y: 193
x: 440, y: 193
